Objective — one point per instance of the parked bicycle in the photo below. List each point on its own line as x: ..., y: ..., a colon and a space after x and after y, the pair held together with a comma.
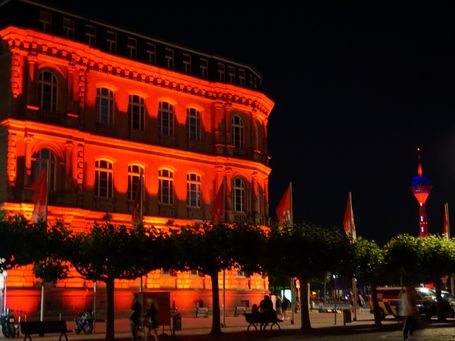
x: 10, y: 328
x: 84, y: 322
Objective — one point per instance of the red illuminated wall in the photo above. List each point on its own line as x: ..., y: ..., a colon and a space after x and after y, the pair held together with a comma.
x: 77, y: 142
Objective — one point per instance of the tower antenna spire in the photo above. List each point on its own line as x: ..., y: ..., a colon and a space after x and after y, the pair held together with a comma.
x: 419, y: 163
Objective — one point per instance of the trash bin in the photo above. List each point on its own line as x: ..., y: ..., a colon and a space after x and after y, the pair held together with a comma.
x: 346, y: 316
x: 176, y: 322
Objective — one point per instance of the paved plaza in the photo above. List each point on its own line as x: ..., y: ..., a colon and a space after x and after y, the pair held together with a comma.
x: 324, y: 328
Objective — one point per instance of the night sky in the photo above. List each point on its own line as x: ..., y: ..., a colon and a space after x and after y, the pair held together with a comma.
x: 357, y: 89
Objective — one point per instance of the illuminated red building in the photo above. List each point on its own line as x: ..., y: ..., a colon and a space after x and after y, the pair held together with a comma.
x: 103, y: 104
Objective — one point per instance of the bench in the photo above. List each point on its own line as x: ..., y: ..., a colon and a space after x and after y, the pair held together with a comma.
x: 44, y: 327
x: 263, y: 320
x: 202, y: 312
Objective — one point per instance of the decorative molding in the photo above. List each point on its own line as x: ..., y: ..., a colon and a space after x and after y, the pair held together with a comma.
x: 12, y: 158
x: 36, y: 43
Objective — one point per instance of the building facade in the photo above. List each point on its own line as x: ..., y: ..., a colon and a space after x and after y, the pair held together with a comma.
x: 101, y: 105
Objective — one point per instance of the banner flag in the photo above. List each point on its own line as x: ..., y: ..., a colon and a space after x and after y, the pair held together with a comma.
x: 446, y: 227
x: 348, y: 223
x: 40, y: 194
x: 218, y: 204
x: 138, y: 209
x: 284, y: 209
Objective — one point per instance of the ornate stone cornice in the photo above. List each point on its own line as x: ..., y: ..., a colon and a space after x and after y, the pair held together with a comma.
x: 34, y: 43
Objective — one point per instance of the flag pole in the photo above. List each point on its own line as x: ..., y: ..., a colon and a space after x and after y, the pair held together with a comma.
x: 291, y: 221
x: 448, y: 236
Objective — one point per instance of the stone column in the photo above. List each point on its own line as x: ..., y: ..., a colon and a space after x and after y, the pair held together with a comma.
x: 28, y: 157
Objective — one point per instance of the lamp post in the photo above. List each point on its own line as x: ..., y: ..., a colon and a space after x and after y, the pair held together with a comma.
x: 335, y: 296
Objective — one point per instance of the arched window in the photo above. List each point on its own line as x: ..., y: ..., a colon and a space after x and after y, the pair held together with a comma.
x: 166, y: 118
x: 40, y: 160
x: 237, y: 131
x: 47, y: 91
x: 166, y: 186
x: 193, y: 123
x: 134, y: 176
x: 104, y: 106
x: 193, y: 190
x: 103, y: 179
x: 136, y: 112
x: 238, y: 194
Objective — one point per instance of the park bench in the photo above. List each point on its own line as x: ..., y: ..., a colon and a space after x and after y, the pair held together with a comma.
x: 44, y: 327
x: 262, y: 320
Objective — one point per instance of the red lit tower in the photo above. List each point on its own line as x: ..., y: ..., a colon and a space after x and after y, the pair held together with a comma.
x: 421, y: 187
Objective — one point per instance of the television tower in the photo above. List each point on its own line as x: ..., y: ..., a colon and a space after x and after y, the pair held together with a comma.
x: 421, y: 187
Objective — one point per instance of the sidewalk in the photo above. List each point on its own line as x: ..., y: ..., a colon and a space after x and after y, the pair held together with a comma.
x: 194, y: 328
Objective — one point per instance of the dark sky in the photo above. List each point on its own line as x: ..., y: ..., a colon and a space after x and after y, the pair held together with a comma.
x: 357, y: 89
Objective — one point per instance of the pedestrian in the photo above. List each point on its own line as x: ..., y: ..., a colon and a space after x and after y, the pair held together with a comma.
x: 409, y: 310
x: 135, y: 317
x: 151, y: 322
x: 361, y: 301
x: 285, y: 307
x: 266, y: 311
x: 279, y: 308
x: 351, y: 301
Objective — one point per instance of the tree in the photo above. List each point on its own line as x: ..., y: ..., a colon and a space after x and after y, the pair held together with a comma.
x: 308, y: 253
x: 16, y: 244
x: 369, y: 268
x: 212, y: 248
x: 437, y: 260
x: 108, y: 252
x: 49, y: 251
x: 402, y: 255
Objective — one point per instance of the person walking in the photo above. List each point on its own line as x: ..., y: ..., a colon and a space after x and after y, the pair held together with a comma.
x: 135, y: 317
x: 151, y: 321
x: 409, y: 310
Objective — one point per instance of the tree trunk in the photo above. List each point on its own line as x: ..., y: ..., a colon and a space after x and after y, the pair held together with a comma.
x: 110, y: 318
x: 439, y: 304
x: 304, y: 309
x: 216, y: 323
x: 374, y: 298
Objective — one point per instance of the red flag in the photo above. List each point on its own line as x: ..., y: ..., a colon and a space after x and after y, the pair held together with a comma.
x: 138, y: 202
x: 348, y: 223
x: 218, y: 204
x: 446, y: 227
x: 39, y: 198
x: 284, y: 209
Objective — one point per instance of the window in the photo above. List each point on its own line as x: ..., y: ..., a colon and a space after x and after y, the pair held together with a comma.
x: 136, y: 112
x: 187, y: 64
x: 237, y: 132
x: 68, y: 28
x: 193, y: 190
x: 45, y: 19
x: 221, y: 72
x: 104, y: 106
x: 132, y: 48
x: 90, y: 35
x: 204, y: 68
x: 103, y: 179
x: 47, y: 91
x: 111, y: 40
x: 169, y: 57
x: 151, y: 53
x: 40, y: 161
x: 242, y: 78
x: 231, y: 74
x: 258, y: 136
x: 134, y: 176
x: 166, y: 118
x: 238, y: 192
x: 193, y: 123
x: 166, y: 186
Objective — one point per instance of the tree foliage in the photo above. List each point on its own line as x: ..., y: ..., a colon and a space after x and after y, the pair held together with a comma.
x: 211, y: 248
x: 309, y: 253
